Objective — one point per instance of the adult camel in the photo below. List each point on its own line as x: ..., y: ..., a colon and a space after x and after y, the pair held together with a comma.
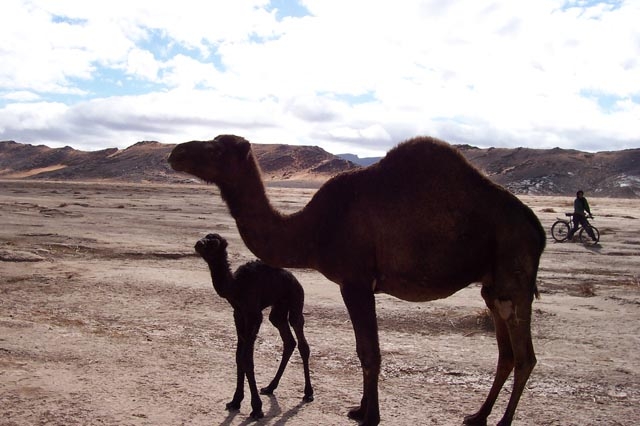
x: 420, y: 224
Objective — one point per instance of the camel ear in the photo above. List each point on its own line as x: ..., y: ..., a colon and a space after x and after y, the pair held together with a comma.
x: 213, y: 240
x: 235, y: 145
x: 244, y: 149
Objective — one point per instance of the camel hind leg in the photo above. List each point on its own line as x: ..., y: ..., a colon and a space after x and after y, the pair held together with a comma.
x: 503, y: 370
x: 519, y: 328
x: 512, y: 319
x: 296, y: 319
x: 278, y: 317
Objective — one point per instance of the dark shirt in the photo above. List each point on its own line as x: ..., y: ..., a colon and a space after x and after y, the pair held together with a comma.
x: 580, y: 206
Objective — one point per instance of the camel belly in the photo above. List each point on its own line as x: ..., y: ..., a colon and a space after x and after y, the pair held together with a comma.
x: 417, y: 290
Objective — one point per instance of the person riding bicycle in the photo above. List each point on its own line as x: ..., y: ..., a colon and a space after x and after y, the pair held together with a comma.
x: 581, y: 211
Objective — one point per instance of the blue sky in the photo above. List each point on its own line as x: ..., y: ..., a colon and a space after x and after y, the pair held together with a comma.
x: 350, y: 76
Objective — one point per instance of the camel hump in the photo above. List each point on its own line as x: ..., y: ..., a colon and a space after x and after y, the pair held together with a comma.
x: 421, y: 147
x: 425, y: 155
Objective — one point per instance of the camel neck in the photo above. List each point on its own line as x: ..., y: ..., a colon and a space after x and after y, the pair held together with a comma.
x: 221, y: 276
x: 277, y: 239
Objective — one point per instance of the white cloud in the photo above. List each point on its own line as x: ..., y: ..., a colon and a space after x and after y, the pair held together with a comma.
x: 353, y: 76
x: 21, y: 96
x: 142, y: 63
x: 183, y: 71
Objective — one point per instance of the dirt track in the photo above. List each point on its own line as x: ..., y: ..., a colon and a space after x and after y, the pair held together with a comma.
x: 108, y: 318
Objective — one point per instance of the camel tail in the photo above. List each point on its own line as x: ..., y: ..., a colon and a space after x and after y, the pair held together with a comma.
x: 542, y: 241
x: 536, y: 293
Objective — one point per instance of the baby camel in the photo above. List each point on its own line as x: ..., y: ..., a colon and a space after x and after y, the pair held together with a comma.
x: 253, y: 287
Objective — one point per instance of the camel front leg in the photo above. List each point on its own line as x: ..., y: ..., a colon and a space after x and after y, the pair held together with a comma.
x: 238, y: 395
x: 360, y: 302
x: 252, y: 325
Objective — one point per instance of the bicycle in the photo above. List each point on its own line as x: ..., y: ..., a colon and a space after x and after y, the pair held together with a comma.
x: 560, y: 231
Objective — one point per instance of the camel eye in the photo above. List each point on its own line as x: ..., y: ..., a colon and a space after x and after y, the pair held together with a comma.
x: 214, y: 150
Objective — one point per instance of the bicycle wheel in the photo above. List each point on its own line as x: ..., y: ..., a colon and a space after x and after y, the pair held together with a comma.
x: 585, y: 239
x: 560, y: 231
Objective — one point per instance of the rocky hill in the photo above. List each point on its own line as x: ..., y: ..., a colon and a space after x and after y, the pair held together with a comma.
x: 147, y: 162
x: 560, y: 171
x: 522, y: 170
x: 553, y: 171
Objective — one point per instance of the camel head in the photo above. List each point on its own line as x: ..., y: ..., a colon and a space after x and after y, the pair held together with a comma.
x: 211, y: 246
x: 215, y: 161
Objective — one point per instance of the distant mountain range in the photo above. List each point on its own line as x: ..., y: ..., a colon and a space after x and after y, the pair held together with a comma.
x: 521, y: 170
x: 360, y: 161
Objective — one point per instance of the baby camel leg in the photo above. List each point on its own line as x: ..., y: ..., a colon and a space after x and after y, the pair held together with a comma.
x: 278, y: 318
x: 297, y: 322
x: 251, y: 327
x: 238, y: 395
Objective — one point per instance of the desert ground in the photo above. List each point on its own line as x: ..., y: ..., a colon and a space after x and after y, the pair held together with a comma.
x: 108, y: 317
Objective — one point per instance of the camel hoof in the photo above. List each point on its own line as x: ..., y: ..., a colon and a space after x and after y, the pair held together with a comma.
x: 475, y: 420
x: 362, y: 421
x: 256, y: 415
x: 307, y: 398
x: 233, y: 406
x: 356, y: 414
x: 266, y: 391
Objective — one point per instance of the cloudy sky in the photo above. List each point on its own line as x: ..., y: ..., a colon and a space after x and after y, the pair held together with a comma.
x: 348, y: 75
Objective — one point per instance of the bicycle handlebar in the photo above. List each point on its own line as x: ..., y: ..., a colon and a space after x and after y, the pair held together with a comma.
x: 590, y: 216
x: 570, y: 217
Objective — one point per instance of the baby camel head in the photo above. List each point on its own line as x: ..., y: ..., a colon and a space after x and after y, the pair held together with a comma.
x: 213, y: 161
x: 212, y: 246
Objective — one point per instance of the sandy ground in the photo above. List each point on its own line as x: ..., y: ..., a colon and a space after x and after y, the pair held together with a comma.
x: 107, y: 317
